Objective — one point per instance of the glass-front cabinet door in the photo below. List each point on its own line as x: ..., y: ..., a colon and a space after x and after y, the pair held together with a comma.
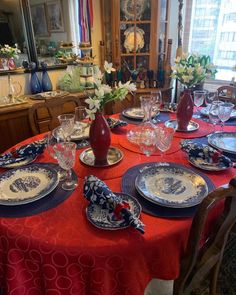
x: 137, y: 28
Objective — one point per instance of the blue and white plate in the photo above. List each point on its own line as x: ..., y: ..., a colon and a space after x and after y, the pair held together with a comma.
x: 206, y: 165
x: 171, y: 186
x: 17, y: 162
x: 27, y: 184
x: 105, y: 219
x: 113, y: 123
x: 224, y: 141
x: 136, y: 113
x: 77, y: 134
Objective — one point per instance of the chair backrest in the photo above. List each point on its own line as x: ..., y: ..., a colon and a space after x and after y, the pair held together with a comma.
x: 227, y: 93
x: 204, y: 251
x: 43, y: 115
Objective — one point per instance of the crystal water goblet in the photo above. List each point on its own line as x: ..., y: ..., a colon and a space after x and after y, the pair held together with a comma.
x: 165, y: 136
x: 214, y: 113
x: 52, y: 141
x: 67, y: 122
x: 225, y: 110
x: 65, y: 153
x: 198, y: 99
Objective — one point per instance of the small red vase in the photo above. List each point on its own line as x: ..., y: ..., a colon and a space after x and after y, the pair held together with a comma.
x: 100, y: 139
x: 184, y: 111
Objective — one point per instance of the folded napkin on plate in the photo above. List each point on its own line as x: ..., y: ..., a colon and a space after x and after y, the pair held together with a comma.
x: 19, y: 154
x: 207, y: 153
x: 97, y: 192
x: 115, y: 123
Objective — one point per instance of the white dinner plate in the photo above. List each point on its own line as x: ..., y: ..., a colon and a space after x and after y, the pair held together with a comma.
x: 171, y: 186
x: 27, y: 184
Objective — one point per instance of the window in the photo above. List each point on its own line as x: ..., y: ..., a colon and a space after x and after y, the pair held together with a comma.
x: 212, y: 32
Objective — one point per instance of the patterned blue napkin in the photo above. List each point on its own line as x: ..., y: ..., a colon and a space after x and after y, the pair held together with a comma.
x: 113, y: 123
x: 207, y: 153
x: 19, y: 154
x: 97, y: 192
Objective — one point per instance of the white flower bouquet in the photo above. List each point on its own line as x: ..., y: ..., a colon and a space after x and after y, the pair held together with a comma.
x: 192, y: 69
x: 104, y: 94
x: 7, y: 51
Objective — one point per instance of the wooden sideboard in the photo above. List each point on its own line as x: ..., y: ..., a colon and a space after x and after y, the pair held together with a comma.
x: 14, y: 122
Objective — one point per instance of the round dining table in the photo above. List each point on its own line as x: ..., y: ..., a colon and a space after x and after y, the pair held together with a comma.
x: 58, y: 251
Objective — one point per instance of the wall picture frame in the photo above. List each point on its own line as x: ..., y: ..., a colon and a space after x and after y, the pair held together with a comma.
x: 40, y: 20
x: 55, y: 16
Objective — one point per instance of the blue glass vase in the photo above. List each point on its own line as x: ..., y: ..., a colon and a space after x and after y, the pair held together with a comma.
x: 35, y: 84
x: 46, y: 81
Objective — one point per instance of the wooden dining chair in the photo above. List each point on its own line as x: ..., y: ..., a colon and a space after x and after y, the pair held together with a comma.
x: 43, y: 116
x: 203, y: 255
x: 227, y: 93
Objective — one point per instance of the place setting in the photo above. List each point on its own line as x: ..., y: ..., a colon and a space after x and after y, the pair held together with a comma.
x: 166, y: 189
x: 37, y: 187
x: 205, y: 157
x: 22, y: 155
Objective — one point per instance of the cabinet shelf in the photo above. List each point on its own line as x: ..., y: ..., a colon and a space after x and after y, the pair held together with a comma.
x: 137, y: 54
x: 138, y: 22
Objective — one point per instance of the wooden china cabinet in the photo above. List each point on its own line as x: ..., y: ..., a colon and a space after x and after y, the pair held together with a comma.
x: 136, y: 32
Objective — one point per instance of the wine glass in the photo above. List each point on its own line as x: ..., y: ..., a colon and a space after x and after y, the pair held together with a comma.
x: 65, y: 153
x: 80, y: 115
x: 210, y: 97
x: 225, y: 111
x: 51, y: 143
x: 198, y: 99
x: 164, y: 139
x: 67, y: 122
x: 214, y: 113
x: 157, y: 103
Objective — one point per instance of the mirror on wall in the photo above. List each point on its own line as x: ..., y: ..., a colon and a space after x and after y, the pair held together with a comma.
x: 39, y: 27
x: 12, y: 29
x: 51, y: 29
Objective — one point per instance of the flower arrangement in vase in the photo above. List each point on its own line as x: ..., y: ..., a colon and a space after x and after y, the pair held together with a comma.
x: 191, y: 71
x: 7, y: 54
x: 99, y: 130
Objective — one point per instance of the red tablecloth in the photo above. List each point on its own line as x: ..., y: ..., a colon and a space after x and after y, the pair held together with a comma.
x: 60, y: 252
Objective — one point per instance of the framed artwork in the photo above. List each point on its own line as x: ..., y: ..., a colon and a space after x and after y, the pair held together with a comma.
x: 55, y: 16
x: 39, y: 20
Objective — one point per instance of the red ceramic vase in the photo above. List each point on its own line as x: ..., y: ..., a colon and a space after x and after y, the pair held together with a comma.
x: 100, y: 139
x: 184, y: 111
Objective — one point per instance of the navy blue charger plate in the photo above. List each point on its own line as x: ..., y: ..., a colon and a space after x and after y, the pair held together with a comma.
x: 128, y: 186
x: 56, y: 197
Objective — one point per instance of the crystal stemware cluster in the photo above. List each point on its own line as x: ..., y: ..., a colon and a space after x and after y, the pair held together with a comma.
x: 152, y: 137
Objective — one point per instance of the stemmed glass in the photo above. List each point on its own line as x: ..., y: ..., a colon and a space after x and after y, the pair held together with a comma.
x: 210, y: 97
x: 157, y: 104
x: 52, y: 141
x: 214, y: 113
x: 65, y: 154
x: 198, y: 99
x: 148, y: 138
x: 164, y: 139
x: 225, y: 110
x: 80, y: 115
x: 67, y: 122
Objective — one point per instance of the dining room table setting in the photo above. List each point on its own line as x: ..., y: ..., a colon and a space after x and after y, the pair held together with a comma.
x: 77, y: 220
